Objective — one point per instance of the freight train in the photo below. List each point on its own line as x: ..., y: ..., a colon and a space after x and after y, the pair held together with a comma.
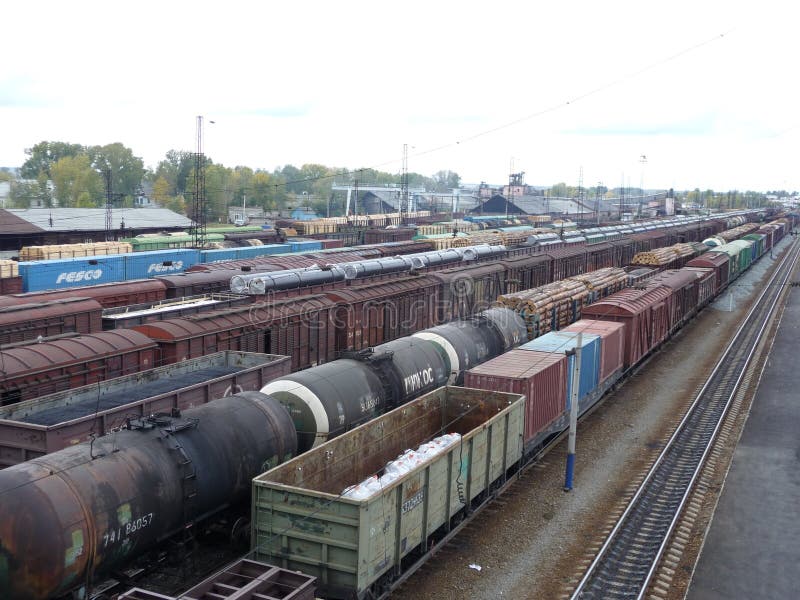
x: 92, y: 270
x: 313, y: 324
x: 121, y: 494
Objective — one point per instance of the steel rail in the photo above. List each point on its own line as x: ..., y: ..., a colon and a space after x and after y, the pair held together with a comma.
x: 611, y: 574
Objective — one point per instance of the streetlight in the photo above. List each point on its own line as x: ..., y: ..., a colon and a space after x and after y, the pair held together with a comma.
x: 642, y: 162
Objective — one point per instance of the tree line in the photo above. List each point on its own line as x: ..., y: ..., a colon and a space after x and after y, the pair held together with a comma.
x: 72, y: 175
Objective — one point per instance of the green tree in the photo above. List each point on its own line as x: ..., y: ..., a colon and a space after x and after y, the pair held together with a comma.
x: 76, y: 182
x: 176, y: 168
x: 446, y: 180
x: 162, y: 191
x: 44, y: 155
x: 218, y: 192
x: 559, y: 190
x: 176, y: 204
x: 262, y: 191
x: 127, y: 170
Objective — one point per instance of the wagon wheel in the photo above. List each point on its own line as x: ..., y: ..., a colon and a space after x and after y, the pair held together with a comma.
x: 240, y: 531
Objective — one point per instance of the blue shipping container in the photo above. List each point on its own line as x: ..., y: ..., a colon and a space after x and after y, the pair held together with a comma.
x: 564, y: 341
x: 265, y: 250
x: 141, y: 265
x: 71, y: 272
x: 209, y: 256
x: 305, y: 245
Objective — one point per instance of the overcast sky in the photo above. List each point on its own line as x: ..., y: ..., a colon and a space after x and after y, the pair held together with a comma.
x: 706, y: 91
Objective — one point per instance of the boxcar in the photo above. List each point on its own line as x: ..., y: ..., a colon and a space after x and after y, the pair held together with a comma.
x: 34, y: 370
x: 374, y: 313
x: 299, y: 327
x: 645, y: 314
x: 67, y: 315
x: 108, y: 295
x: 718, y: 261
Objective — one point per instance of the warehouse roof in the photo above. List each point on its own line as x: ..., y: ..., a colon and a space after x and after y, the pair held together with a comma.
x: 36, y: 220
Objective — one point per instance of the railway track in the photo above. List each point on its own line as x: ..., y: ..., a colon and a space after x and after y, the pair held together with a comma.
x: 628, y: 560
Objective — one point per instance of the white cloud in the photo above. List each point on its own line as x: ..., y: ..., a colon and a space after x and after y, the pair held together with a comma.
x: 705, y: 90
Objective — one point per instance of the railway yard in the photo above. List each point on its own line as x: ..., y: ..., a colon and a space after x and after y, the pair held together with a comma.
x: 536, y: 541
x: 389, y: 420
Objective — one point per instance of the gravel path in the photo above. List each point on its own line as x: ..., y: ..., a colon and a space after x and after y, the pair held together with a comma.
x: 530, y: 541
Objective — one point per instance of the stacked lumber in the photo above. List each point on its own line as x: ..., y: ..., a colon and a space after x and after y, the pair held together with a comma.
x: 443, y: 243
x: 484, y: 238
x: 661, y: 257
x: 445, y: 228
x: 737, y: 232
x: 8, y: 268
x: 558, y: 304
x: 73, y: 250
x: 604, y: 281
x: 514, y: 238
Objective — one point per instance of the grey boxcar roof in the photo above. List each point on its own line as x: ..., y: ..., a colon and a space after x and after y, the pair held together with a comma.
x: 17, y: 220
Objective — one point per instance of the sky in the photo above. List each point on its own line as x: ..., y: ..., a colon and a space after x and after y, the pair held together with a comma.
x: 681, y: 94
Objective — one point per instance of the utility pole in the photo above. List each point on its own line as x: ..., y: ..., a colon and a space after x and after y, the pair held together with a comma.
x: 597, y: 201
x: 109, y: 197
x: 573, y: 413
x: 200, y: 210
x: 643, y: 162
x: 404, y: 182
x: 579, y: 204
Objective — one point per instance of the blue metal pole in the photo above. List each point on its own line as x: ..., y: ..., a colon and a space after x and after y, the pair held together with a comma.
x: 573, y: 415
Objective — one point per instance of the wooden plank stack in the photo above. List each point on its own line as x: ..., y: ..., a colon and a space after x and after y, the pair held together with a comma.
x: 73, y: 250
x: 8, y: 268
x: 558, y: 304
x: 663, y: 257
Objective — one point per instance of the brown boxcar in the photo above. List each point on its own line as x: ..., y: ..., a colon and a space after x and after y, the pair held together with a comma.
x: 129, y: 316
x: 685, y: 288
x: 706, y: 284
x: 67, y: 315
x: 717, y: 261
x: 567, y: 262
x: 181, y: 285
x: 11, y: 285
x: 298, y: 327
x: 109, y: 295
x: 527, y: 272
x: 34, y: 370
x: 467, y: 290
x: 374, y: 313
x: 600, y: 255
x: 36, y: 427
x: 540, y: 376
x: 645, y: 314
x: 624, y: 251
